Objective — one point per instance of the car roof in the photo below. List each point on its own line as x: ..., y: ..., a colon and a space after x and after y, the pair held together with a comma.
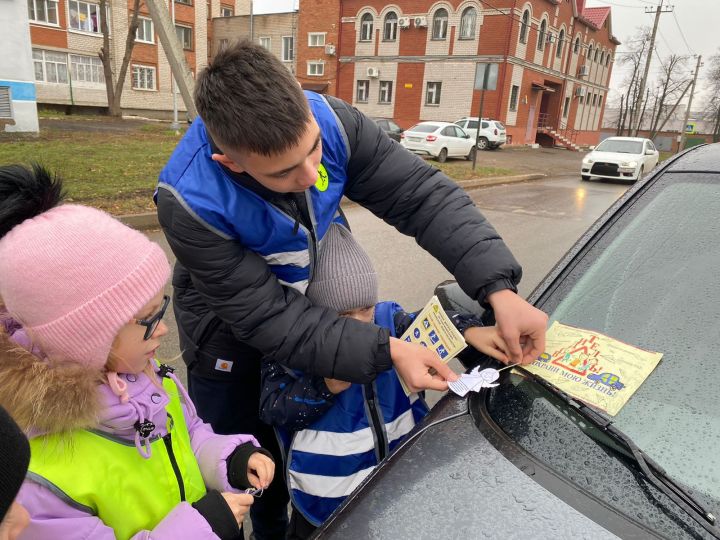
x: 633, y: 139
x: 705, y: 158
x: 432, y: 123
x: 475, y: 118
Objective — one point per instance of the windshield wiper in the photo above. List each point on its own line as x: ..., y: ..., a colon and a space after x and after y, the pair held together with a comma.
x: 653, y: 472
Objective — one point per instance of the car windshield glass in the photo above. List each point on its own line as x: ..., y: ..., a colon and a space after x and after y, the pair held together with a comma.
x: 621, y: 147
x: 424, y: 128
x: 472, y: 124
x: 651, y: 280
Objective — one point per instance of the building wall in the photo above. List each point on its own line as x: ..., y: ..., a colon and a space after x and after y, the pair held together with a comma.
x: 17, y: 81
x: 319, y: 16
x: 416, y: 58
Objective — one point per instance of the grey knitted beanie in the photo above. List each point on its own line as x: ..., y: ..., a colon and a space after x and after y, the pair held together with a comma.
x: 344, y: 278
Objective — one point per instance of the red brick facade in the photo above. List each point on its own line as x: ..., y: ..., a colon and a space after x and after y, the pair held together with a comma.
x: 556, y: 93
x: 319, y: 16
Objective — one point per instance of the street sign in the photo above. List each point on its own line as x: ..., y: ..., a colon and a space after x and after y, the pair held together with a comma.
x: 486, y: 76
x: 691, y: 127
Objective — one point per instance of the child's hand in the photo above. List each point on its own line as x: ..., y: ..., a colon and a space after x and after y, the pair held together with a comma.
x: 487, y: 340
x: 239, y: 504
x: 260, y: 470
x: 336, y: 386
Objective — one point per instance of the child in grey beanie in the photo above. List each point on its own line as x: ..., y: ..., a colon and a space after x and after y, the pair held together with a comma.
x: 334, y: 432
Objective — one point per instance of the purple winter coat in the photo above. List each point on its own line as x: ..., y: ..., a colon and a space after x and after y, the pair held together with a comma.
x: 52, y: 518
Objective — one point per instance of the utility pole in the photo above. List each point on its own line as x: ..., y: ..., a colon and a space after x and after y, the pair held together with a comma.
x: 690, y: 99
x: 638, y: 106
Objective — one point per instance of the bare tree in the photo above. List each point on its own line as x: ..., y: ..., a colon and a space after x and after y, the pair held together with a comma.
x: 114, y: 84
x: 634, y: 57
x: 671, y: 82
x: 712, y: 105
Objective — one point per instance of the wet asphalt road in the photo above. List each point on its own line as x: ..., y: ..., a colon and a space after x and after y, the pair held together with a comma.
x: 538, y: 220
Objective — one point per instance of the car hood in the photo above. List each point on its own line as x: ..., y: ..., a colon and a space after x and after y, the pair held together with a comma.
x: 443, y: 490
x: 612, y: 157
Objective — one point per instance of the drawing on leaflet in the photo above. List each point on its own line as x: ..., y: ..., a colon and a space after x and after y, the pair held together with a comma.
x: 579, y: 358
x: 441, y: 351
x: 608, y: 379
x: 434, y: 337
x: 416, y: 333
x: 426, y: 323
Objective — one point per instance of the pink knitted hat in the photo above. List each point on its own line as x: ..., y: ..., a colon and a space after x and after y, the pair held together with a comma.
x: 73, y: 276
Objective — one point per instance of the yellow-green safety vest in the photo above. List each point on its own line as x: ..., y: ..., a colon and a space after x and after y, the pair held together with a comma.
x: 107, y: 477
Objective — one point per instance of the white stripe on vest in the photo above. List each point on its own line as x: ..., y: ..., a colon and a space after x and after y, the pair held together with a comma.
x: 298, y: 285
x: 295, y: 258
x: 330, y: 443
x: 327, y: 486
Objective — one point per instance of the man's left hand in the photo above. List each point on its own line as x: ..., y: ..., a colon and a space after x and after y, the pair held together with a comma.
x: 521, y: 325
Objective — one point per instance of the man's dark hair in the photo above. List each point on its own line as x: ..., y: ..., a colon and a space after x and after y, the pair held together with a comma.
x: 250, y: 101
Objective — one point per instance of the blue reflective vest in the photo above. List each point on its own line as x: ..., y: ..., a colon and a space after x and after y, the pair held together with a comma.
x: 234, y: 212
x: 327, y: 460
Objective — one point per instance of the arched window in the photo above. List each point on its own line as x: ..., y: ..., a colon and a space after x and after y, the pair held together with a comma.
x: 589, y: 53
x: 597, y: 52
x: 467, y: 23
x: 525, y: 26
x: 576, y: 47
x: 366, y: 27
x: 602, y: 58
x: 390, y: 26
x: 607, y: 59
x: 542, y: 35
x: 440, y: 24
x: 560, y: 44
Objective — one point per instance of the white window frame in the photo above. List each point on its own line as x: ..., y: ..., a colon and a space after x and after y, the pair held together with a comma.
x: 285, y: 56
x: 182, y: 41
x: 566, y: 106
x: 83, y: 65
x: 525, y: 26
x: 365, y: 84
x: 229, y: 9
x: 390, y: 27
x: 151, y: 69
x: 433, y: 91
x: 367, y: 24
x: 49, y: 6
x: 542, y: 34
x: 514, y: 97
x: 319, y: 39
x: 468, y: 22
x: 440, y: 25
x: 560, y: 44
x: 385, y: 92
x: 79, y: 4
x: 142, y: 23
x: 44, y: 62
x: 265, y: 39
x: 312, y: 68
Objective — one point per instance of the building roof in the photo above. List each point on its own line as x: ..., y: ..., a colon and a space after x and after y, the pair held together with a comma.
x: 596, y: 15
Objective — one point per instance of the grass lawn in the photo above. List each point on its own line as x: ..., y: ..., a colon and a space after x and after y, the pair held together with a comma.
x: 117, y: 170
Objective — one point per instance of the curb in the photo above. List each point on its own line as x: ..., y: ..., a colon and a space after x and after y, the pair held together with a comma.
x: 149, y: 221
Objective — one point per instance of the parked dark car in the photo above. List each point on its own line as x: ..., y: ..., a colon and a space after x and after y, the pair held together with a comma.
x: 390, y: 127
x: 523, y: 460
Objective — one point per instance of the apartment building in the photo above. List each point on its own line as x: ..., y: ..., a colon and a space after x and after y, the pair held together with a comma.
x: 66, y: 37
x: 415, y: 60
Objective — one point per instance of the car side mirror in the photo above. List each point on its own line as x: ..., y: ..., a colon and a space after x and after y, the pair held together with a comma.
x: 467, y: 136
x: 649, y: 152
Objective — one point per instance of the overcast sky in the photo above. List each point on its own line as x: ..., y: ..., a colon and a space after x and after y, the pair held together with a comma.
x: 692, y: 28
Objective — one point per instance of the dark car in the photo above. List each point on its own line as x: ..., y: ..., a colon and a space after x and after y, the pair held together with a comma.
x: 524, y: 460
x: 390, y: 127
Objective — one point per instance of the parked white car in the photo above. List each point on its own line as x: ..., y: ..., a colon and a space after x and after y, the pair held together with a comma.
x: 492, y: 132
x: 624, y: 158
x: 440, y: 140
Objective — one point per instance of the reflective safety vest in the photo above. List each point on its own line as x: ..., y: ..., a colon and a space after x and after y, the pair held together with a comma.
x: 327, y: 460
x: 235, y: 212
x: 107, y: 477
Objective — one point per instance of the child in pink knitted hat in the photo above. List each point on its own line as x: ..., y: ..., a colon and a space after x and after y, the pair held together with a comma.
x: 117, y: 449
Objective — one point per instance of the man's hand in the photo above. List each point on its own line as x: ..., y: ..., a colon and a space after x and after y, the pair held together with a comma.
x: 487, y: 340
x: 521, y: 325
x: 413, y: 362
x: 336, y: 386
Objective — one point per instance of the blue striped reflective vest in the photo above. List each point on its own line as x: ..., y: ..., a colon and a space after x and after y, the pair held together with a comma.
x: 327, y: 460
x: 234, y: 212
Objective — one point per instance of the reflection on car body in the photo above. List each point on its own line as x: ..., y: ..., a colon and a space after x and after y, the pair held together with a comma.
x: 530, y: 462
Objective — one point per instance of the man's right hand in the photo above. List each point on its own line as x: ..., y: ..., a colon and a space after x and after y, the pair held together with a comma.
x: 413, y: 363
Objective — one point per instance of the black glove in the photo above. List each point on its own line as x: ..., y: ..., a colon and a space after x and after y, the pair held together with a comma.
x: 237, y: 464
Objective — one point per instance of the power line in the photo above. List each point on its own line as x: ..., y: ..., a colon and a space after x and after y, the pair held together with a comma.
x: 677, y: 23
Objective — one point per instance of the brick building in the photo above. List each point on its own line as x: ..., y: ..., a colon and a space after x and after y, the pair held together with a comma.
x: 66, y: 38
x: 415, y: 60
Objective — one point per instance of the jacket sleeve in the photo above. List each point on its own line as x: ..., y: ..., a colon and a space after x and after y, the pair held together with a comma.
x: 51, y: 517
x: 420, y: 201
x: 238, y: 286
x: 211, y: 450
x: 289, y: 401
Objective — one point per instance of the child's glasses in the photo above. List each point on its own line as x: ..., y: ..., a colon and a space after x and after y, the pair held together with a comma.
x: 152, y: 323
x: 255, y: 492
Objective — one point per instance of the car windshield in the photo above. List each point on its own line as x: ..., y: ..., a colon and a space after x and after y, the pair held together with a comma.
x: 424, y: 128
x: 652, y: 280
x: 619, y: 146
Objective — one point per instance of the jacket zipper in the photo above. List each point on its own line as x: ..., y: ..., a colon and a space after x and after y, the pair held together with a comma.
x: 377, y: 424
x: 167, y: 439
x: 310, y: 233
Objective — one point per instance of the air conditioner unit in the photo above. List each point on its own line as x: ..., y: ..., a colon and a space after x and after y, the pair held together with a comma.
x: 373, y: 72
x: 330, y: 50
x: 404, y: 22
x: 584, y: 71
x: 420, y: 22
x: 550, y: 37
x: 580, y: 92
